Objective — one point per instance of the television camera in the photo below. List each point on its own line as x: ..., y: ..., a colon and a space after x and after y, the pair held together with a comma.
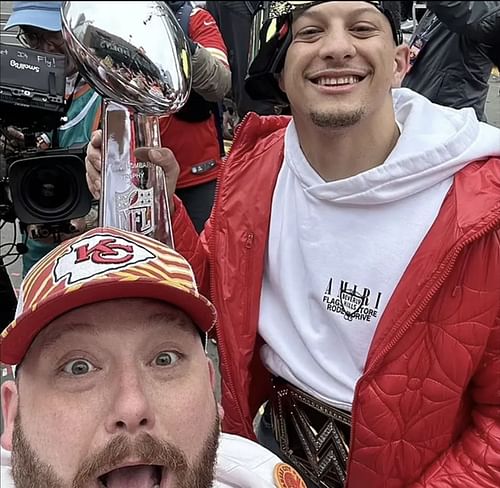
x: 45, y: 189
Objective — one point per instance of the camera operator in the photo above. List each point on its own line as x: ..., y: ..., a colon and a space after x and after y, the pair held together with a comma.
x: 40, y: 27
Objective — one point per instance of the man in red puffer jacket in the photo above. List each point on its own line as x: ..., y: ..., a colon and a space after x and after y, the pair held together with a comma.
x: 353, y: 254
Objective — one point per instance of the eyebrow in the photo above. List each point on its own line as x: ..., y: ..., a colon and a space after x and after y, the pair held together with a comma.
x: 358, y: 11
x: 173, y: 320
x: 54, y: 337
x: 157, y: 319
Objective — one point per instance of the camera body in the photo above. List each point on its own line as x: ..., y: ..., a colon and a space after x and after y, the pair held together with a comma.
x: 44, y: 188
x: 32, y: 88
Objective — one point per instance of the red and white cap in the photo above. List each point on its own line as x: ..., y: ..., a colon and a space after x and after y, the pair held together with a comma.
x: 101, y: 264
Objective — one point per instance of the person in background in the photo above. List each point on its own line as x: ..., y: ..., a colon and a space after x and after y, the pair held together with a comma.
x: 407, y: 15
x: 39, y: 25
x: 113, y: 385
x: 235, y: 23
x: 450, y: 61
x: 353, y: 255
x: 194, y: 134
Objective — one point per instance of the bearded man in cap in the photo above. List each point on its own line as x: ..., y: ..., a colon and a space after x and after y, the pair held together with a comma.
x: 354, y: 256
x: 113, y: 385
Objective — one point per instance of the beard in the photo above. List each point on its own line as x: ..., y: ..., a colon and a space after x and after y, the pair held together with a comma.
x: 29, y: 471
x: 339, y: 120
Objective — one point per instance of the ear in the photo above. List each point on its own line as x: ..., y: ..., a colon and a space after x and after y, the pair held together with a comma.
x: 10, y: 400
x: 281, y: 83
x: 220, y: 408
x: 401, y: 64
x: 213, y: 380
x: 211, y: 371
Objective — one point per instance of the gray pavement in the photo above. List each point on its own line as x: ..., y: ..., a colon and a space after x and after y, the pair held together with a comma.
x: 493, y: 102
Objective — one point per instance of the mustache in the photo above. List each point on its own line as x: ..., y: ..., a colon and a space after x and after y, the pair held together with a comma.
x: 145, y: 449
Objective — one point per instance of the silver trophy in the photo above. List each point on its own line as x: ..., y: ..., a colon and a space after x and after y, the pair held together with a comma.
x: 136, y: 56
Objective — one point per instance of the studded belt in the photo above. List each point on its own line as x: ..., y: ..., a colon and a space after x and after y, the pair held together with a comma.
x: 312, y: 435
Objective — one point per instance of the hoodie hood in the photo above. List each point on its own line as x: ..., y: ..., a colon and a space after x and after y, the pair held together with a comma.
x: 243, y: 463
x: 435, y: 143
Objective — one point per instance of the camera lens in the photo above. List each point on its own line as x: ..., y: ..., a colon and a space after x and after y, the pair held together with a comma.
x: 50, y: 189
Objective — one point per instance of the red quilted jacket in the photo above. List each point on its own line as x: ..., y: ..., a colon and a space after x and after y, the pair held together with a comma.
x: 426, y: 411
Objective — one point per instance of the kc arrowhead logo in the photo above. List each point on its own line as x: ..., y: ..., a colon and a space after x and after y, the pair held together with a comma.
x: 98, y: 255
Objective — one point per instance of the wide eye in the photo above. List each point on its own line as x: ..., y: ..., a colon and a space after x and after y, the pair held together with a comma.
x: 78, y: 367
x: 166, y: 358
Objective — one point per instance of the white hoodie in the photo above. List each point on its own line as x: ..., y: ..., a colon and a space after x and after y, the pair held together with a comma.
x: 240, y: 464
x: 338, y: 249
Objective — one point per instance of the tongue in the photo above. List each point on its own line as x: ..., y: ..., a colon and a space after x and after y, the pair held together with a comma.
x: 133, y: 477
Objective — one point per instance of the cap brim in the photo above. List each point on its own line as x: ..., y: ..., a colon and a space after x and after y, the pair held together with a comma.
x: 19, y: 338
x: 35, y: 18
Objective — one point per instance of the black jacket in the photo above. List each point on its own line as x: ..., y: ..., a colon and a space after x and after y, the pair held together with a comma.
x: 455, y: 62
x: 235, y: 20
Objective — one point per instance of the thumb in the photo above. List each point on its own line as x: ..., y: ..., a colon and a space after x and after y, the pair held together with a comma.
x: 156, y: 156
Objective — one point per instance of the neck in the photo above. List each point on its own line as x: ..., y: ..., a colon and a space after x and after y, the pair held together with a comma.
x: 340, y: 153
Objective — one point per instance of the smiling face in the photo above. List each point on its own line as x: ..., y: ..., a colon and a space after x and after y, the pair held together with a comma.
x: 341, y: 64
x: 118, y: 393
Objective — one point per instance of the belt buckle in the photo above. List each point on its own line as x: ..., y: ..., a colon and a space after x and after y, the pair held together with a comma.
x: 313, y: 436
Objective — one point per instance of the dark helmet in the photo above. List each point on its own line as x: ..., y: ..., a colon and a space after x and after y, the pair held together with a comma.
x: 271, y: 36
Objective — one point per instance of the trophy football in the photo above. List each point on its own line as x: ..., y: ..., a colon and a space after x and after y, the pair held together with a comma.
x: 136, y: 56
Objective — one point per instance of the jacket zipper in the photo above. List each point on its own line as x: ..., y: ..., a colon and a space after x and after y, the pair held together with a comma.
x: 248, y: 249
x: 236, y: 133
x: 452, y: 257
x: 220, y: 344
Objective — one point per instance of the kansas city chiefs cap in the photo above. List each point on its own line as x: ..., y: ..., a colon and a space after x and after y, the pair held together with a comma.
x: 101, y: 264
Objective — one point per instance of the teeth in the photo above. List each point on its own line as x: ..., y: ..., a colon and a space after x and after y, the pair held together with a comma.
x: 346, y: 80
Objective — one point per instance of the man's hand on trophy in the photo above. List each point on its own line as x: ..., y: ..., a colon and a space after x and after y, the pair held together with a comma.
x: 93, y: 164
x: 165, y: 159
x: 162, y: 157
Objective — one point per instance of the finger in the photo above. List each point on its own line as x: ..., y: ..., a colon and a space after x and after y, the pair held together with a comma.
x: 93, y: 174
x: 15, y: 134
x: 164, y: 158
x: 92, y: 188
x: 160, y: 156
x: 94, y: 178
x: 96, y: 138
x: 94, y: 150
x: 93, y: 158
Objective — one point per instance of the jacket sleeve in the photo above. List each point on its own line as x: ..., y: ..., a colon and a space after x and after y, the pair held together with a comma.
x: 474, y: 459
x: 479, y: 20
x: 211, y: 73
x: 192, y: 246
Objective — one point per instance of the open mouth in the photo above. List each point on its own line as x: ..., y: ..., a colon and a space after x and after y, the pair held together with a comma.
x: 337, y: 80
x: 138, y: 476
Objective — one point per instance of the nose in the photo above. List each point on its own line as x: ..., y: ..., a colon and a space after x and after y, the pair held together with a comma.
x: 130, y: 408
x: 337, y: 45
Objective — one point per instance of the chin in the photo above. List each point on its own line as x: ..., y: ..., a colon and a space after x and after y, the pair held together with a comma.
x: 336, y: 119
